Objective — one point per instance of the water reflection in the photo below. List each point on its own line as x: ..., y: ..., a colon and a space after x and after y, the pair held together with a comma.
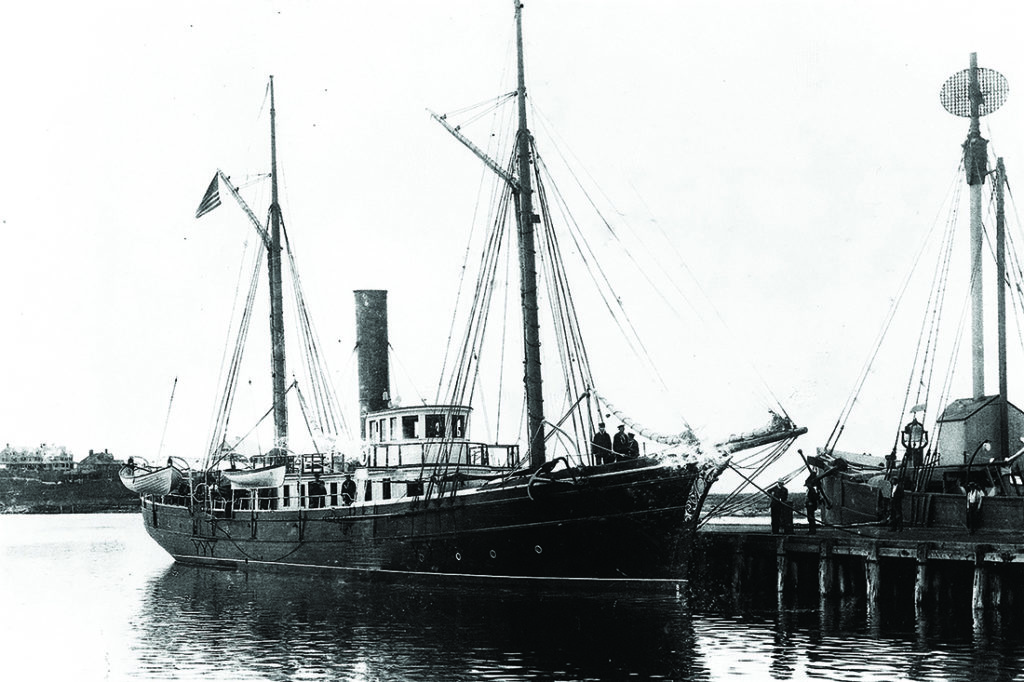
x: 236, y: 626
x: 89, y: 598
x: 280, y: 627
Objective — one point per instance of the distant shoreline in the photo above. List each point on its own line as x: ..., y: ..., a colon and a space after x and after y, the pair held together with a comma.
x: 99, y: 495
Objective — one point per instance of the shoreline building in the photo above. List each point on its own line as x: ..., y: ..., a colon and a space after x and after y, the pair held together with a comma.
x: 42, y: 458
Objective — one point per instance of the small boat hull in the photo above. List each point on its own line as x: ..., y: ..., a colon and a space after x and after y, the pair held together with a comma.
x: 150, y: 482
x: 247, y: 479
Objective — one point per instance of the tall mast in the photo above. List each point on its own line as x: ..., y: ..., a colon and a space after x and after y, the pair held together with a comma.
x: 973, y: 93
x: 976, y: 162
x: 276, y: 295
x: 1004, y: 410
x: 527, y: 267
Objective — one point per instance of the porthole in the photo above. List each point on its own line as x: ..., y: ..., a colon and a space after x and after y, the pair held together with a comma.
x: 494, y: 555
x: 458, y: 556
x: 538, y: 549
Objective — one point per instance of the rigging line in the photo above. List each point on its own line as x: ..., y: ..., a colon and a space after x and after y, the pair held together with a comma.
x: 317, y: 365
x: 462, y: 275
x: 771, y: 455
x: 929, y: 323
x: 633, y: 338
x: 479, y: 309
x: 231, y: 320
x: 476, y: 117
x: 941, y: 305
x: 629, y: 255
x: 231, y: 380
x: 487, y: 259
x: 951, y: 366
x: 255, y: 426
x: 837, y: 429
x: 167, y: 419
x: 504, y: 335
x: 574, y: 361
x: 497, y: 190
x: 637, y: 234
x: 705, y: 297
x: 305, y: 416
x: 728, y: 334
x: 833, y: 438
x: 492, y: 102
x: 558, y: 317
x: 474, y: 333
x: 568, y: 320
x: 393, y: 354
x: 937, y: 292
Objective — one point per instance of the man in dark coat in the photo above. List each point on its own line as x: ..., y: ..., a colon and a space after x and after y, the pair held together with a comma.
x: 633, y: 446
x: 348, y: 490
x: 811, y: 503
x: 620, y: 445
x: 601, y: 446
x: 316, y: 491
x: 896, y: 505
x: 781, y: 512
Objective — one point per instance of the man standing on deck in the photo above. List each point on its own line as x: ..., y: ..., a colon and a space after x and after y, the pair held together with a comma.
x: 974, y: 497
x: 621, y: 443
x: 316, y: 491
x: 348, y: 490
x: 896, y: 505
x: 601, y: 446
x: 633, y: 448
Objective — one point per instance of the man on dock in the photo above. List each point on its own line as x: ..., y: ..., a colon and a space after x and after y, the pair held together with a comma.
x: 781, y: 512
x: 811, y: 503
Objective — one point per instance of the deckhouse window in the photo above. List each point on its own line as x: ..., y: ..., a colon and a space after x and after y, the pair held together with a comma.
x: 435, y: 426
x: 409, y: 426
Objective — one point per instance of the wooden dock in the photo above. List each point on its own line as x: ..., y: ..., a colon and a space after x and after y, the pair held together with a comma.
x: 914, y: 568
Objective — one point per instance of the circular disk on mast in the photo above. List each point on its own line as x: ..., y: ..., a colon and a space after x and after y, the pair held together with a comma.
x: 956, y: 92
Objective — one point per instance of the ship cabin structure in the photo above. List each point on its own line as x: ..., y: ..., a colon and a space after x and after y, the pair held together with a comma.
x: 408, y: 445
x: 407, y: 453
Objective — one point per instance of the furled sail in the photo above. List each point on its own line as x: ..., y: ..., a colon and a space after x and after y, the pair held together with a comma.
x: 685, y: 437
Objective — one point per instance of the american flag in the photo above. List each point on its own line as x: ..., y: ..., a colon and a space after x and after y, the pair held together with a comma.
x: 211, y: 199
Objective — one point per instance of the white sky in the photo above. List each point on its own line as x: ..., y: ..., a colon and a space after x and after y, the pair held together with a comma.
x: 794, y: 152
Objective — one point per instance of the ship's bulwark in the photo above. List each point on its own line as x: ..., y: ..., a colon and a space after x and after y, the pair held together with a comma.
x: 632, y: 528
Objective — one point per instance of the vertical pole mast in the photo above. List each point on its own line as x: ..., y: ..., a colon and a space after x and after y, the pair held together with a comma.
x: 528, y: 267
x: 1004, y: 416
x: 975, y: 160
x: 276, y: 294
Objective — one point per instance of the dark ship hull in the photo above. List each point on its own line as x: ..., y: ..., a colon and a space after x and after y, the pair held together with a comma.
x: 628, y: 521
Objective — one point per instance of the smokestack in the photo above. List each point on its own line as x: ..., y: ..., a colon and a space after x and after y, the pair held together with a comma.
x: 372, y: 347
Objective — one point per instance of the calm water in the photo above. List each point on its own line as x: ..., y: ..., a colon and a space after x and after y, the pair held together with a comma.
x: 91, y: 597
